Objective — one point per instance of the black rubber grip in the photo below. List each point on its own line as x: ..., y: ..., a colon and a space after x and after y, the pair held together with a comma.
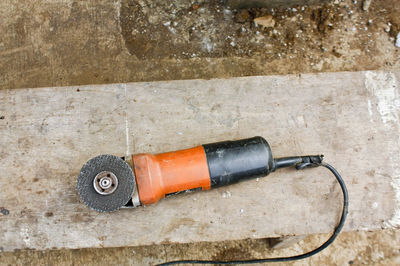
x: 232, y: 161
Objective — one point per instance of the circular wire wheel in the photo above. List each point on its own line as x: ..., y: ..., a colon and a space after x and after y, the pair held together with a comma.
x: 106, y: 183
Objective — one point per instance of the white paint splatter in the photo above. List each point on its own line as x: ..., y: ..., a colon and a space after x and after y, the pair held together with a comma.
x: 385, y: 88
x: 24, y: 233
x: 395, y: 220
x: 300, y: 120
x: 371, y: 115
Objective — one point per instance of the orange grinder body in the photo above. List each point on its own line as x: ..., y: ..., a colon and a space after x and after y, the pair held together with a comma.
x: 201, y: 167
x: 171, y: 172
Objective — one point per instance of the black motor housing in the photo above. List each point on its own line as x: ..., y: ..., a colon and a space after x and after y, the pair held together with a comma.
x: 232, y: 161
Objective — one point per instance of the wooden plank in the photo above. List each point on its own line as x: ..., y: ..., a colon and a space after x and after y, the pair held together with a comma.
x: 48, y: 133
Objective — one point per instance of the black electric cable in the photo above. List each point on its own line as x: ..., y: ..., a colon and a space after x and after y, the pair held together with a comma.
x: 291, y: 258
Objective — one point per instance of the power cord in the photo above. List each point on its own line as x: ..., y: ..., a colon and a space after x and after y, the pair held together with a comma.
x: 335, y: 233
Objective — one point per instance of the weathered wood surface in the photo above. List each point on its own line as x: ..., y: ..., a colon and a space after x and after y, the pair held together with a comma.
x: 48, y: 133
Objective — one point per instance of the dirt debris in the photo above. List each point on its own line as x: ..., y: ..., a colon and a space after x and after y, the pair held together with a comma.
x: 366, y: 4
x: 243, y: 16
x: 208, y: 29
x: 266, y: 21
x: 75, y: 43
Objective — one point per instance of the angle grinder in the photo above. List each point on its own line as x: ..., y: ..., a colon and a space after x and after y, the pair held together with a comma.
x: 107, y: 182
